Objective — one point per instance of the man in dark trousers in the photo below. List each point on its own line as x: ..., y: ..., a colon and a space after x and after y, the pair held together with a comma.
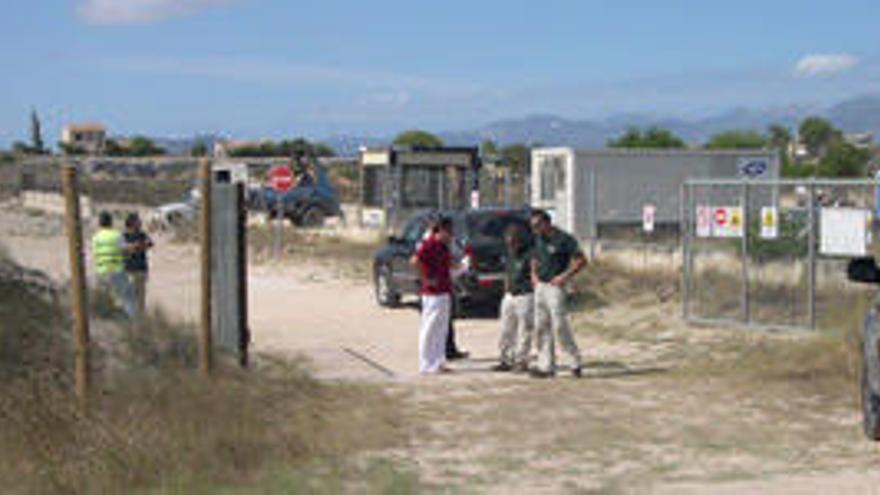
x: 136, y: 264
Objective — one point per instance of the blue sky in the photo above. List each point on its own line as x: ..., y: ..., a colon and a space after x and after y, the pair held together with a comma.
x: 273, y: 68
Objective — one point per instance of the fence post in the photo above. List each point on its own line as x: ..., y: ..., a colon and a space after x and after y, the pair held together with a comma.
x: 594, y: 205
x: 205, y: 232
x: 745, y: 252
x: 811, y: 250
x: 684, y: 226
x: 79, y: 309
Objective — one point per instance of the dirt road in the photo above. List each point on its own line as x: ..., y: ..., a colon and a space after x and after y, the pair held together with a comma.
x: 636, y: 423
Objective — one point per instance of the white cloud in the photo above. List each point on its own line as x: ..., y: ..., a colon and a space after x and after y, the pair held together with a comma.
x: 109, y: 12
x: 823, y: 64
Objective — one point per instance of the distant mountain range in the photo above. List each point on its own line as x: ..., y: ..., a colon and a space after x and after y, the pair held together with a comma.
x: 860, y: 114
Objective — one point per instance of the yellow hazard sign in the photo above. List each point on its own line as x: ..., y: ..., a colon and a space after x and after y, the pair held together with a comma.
x: 769, y: 222
x: 735, y: 218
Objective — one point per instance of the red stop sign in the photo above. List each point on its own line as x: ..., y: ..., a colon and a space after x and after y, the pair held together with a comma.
x: 280, y: 178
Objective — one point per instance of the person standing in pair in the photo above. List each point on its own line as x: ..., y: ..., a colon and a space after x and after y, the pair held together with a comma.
x: 433, y: 259
x: 109, y: 250
x: 136, y: 264
x: 557, y: 258
x: 517, y: 315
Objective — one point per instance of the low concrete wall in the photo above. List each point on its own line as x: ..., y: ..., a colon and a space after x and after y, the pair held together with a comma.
x: 53, y: 203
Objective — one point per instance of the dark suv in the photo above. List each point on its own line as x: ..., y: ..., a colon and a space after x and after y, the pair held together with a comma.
x: 479, y: 235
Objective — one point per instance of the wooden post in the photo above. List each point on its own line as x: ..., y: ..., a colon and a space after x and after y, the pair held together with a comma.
x: 206, y: 345
x: 78, y: 302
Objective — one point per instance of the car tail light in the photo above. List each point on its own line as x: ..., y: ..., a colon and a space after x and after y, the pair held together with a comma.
x: 486, y: 282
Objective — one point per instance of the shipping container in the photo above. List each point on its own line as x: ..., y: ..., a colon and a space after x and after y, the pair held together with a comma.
x: 584, y: 190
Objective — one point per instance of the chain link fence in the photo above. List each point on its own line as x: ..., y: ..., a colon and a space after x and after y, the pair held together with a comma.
x: 773, y: 253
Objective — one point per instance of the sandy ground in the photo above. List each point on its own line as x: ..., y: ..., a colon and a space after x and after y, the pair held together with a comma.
x: 627, y: 427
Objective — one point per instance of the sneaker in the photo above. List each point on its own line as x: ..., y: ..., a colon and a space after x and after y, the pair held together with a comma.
x: 576, y: 371
x: 502, y: 367
x: 541, y: 374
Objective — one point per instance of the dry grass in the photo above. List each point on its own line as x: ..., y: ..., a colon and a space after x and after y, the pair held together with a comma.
x: 350, y: 258
x: 153, y: 424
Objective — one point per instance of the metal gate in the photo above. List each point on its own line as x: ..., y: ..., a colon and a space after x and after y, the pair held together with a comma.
x: 754, y: 251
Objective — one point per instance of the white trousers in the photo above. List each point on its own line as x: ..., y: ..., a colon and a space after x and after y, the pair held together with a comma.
x: 432, y: 332
x: 516, y: 328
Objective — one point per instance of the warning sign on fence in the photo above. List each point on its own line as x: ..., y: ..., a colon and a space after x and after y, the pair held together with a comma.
x: 704, y: 221
x: 727, y: 221
x: 769, y: 222
x: 648, y: 212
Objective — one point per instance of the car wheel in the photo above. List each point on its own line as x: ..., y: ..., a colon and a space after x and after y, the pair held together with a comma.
x: 386, y: 296
x: 313, y: 217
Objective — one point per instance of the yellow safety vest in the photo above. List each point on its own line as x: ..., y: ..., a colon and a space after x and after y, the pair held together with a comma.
x: 107, y: 251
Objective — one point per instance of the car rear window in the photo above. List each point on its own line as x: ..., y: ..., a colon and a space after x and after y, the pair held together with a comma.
x: 491, y: 225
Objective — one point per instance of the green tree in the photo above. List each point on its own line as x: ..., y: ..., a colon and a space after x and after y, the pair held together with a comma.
x: 36, y: 134
x: 418, y: 138
x: 653, y: 137
x: 517, y: 156
x: 844, y: 160
x: 737, y: 139
x: 818, y: 135
x: 488, y: 148
x: 779, y: 137
x: 199, y: 149
x: 143, y: 146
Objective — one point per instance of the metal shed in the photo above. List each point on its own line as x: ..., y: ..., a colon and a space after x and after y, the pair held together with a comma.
x: 583, y: 189
x: 397, y: 181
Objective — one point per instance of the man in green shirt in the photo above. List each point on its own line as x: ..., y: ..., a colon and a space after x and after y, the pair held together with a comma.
x: 517, y: 305
x: 557, y: 258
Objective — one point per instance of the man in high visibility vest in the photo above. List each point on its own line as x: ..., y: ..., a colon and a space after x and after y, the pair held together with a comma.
x: 108, y: 252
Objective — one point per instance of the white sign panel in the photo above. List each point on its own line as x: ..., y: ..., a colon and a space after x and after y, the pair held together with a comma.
x: 769, y: 222
x: 648, y: 213
x: 475, y: 199
x: 373, y: 217
x: 727, y: 221
x: 704, y: 221
x: 843, y: 231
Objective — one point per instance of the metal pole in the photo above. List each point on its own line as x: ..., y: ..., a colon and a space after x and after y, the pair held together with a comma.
x: 745, y: 252
x: 507, y: 186
x: 245, y: 336
x: 594, y: 203
x: 811, y: 250
x: 684, y: 228
x: 277, y: 227
x: 78, y: 306
x: 206, y: 346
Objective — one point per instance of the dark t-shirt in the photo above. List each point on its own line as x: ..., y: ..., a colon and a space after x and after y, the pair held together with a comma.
x: 554, y: 253
x: 434, y: 262
x: 136, y: 261
x: 519, y: 271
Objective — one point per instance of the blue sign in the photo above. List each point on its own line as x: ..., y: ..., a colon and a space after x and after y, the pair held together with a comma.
x: 753, y: 167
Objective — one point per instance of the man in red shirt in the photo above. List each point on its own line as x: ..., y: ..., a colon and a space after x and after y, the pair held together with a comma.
x: 433, y: 259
